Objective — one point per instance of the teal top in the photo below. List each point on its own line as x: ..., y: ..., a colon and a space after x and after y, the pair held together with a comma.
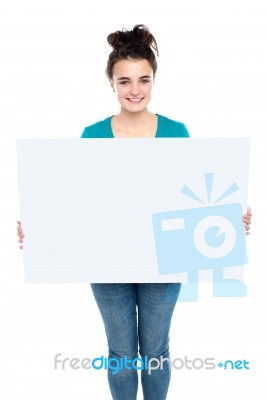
x: 165, y: 128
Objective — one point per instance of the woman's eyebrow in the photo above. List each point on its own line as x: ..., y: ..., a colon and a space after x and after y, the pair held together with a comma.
x: 125, y: 77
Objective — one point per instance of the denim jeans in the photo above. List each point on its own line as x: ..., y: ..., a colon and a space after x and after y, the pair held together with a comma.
x: 137, y: 318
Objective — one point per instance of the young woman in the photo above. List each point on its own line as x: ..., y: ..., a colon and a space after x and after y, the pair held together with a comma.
x: 136, y: 316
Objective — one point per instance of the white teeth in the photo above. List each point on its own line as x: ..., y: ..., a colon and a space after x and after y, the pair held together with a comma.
x: 135, y: 100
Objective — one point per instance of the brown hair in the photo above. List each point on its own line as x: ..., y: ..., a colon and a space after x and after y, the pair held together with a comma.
x: 136, y: 44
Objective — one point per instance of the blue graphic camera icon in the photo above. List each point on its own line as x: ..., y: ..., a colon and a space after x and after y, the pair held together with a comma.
x: 195, y: 239
x: 210, y: 237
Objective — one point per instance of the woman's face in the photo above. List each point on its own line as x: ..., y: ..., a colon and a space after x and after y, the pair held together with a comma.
x: 133, y: 82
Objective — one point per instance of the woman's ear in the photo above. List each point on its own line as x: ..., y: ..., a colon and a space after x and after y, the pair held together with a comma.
x: 112, y: 85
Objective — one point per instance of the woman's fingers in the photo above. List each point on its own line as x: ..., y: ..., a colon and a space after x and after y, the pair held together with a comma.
x: 247, y: 216
x: 19, y: 227
x: 247, y: 220
x: 20, y: 234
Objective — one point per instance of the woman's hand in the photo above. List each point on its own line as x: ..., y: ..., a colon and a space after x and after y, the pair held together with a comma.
x: 20, y: 233
x: 247, y: 220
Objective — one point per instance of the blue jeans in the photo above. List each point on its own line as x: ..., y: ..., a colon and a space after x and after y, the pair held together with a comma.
x: 137, y: 313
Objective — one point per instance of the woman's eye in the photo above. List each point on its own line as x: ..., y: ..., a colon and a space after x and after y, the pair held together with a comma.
x: 145, y: 81
x: 123, y: 83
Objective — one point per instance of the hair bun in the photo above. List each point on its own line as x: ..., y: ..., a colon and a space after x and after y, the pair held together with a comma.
x: 136, y: 44
x: 140, y: 35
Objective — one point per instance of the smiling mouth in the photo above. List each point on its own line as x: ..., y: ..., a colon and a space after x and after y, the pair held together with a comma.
x: 135, y: 100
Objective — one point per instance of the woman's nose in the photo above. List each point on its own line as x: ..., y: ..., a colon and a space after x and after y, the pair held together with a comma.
x: 134, y: 90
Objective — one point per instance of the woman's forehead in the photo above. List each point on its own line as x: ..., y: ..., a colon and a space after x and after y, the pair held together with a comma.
x: 132, y: 68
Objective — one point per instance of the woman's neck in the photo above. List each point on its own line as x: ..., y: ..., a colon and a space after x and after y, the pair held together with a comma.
x: 139, y: 124
x: 134, y: 122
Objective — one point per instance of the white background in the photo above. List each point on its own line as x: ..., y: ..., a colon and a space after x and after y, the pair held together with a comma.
x: 211, y: 77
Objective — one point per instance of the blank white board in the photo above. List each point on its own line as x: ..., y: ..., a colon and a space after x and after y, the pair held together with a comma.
x: 87, y: 205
